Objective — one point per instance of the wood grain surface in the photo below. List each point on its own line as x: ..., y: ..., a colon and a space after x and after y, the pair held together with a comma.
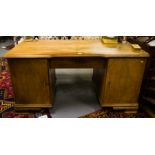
x: 72, y: 48
x: 31, y: 84
x: 119, y: 85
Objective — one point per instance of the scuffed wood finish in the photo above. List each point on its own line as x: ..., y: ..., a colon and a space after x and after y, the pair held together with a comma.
x: 72, y: 48
x: 121, y: 82
x: 31, y: 85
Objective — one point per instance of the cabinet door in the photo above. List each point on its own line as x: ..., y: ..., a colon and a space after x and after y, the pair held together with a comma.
x: 30, y: 78
x: 123, y: 80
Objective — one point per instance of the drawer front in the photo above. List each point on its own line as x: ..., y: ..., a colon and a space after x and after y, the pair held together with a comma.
x: 123, y: 80
x: 30, y: 79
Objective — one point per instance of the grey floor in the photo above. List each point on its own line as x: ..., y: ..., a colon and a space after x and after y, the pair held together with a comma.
x: 2, y: 52
x: 75, y: 95
x: 3, y: 44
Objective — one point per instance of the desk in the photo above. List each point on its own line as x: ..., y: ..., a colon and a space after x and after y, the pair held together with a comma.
x: 118, y: 71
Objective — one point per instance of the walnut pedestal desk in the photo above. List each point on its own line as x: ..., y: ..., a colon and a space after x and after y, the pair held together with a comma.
x: 118, y: 71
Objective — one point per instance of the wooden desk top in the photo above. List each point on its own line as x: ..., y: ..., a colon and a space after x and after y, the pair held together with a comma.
x: 72, y: 48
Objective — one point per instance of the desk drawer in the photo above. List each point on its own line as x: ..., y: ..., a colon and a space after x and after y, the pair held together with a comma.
x: 73, y: 62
